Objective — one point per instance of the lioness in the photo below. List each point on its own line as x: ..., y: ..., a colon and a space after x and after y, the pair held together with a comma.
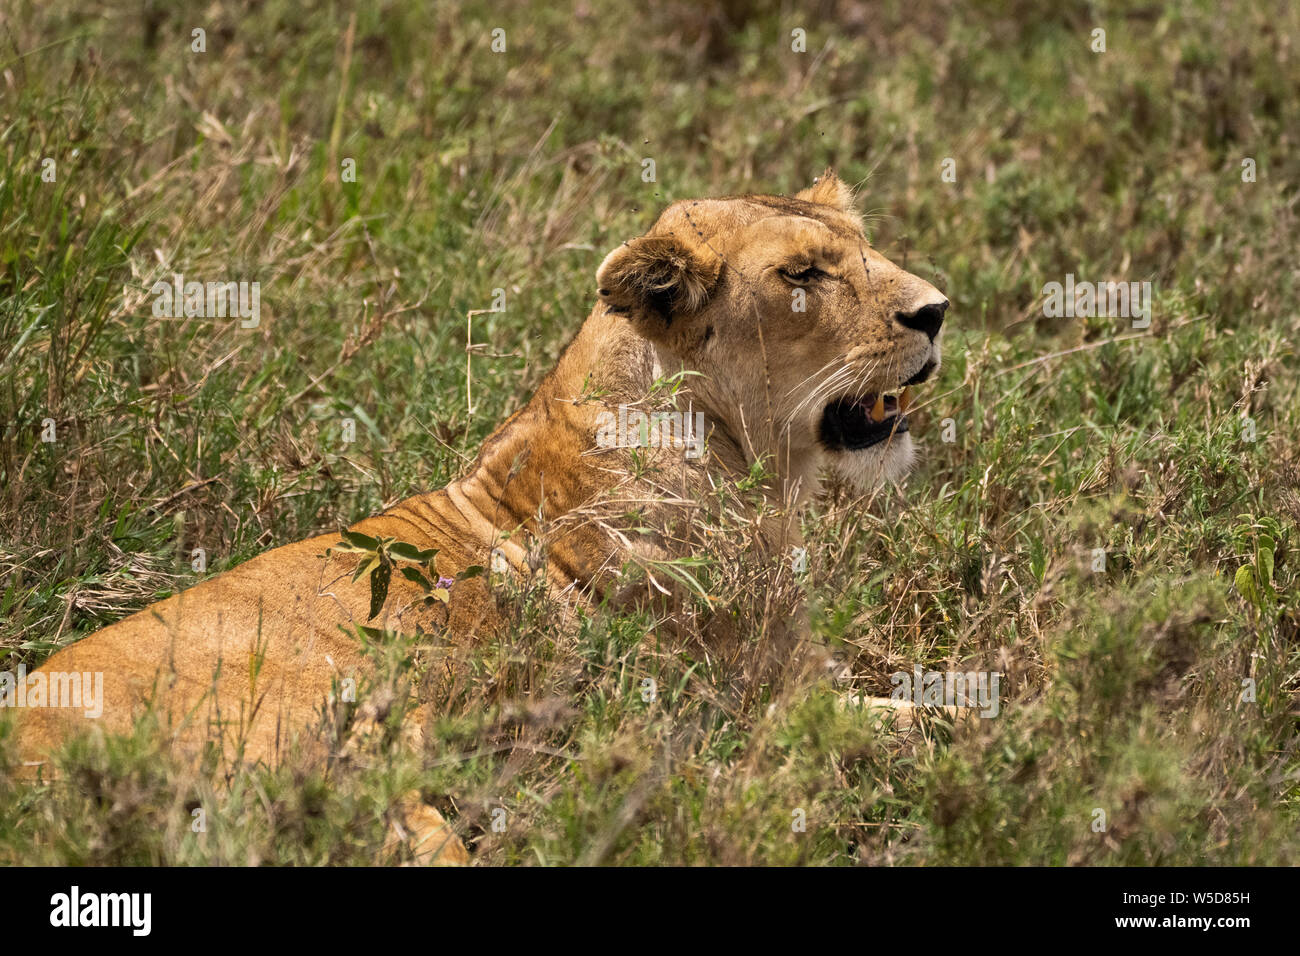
x: 800, y: 343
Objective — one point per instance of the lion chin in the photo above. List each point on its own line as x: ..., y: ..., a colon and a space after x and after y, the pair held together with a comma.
x: 868, y: 469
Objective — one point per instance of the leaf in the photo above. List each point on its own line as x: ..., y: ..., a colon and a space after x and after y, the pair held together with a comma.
x: 1264, y: 563
x: 359, y: 540
x: 1244, y: 580
x: 409, y: 552
x: 379, y: 579
x: 344, y: 548
x: 473, y: 571
x: 366, y: 567
x: 411, y: 574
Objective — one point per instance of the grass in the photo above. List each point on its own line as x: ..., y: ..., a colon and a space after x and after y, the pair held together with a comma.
x: 475, y: 171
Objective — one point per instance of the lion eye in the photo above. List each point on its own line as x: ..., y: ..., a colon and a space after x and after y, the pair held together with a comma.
x: 801, y: 276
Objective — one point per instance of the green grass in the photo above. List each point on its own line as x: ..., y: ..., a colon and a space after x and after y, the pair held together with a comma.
x: 477, y: 171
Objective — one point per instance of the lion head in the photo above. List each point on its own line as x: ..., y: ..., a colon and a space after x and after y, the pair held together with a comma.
x: 806, y: 340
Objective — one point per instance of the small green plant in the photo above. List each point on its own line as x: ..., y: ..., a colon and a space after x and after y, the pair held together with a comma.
x: 379, y: 556
x: 1261, y: 538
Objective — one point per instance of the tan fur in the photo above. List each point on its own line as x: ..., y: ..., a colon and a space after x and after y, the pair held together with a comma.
x: 255, y: 651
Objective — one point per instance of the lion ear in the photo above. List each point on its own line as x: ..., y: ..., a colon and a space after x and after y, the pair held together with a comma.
x: 829, y: 190
x: 654, y: 279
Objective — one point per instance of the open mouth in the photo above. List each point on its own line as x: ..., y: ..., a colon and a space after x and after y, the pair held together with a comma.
x: 852, y: 424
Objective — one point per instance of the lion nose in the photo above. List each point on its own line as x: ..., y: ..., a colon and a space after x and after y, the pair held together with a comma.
x: 926, y: 319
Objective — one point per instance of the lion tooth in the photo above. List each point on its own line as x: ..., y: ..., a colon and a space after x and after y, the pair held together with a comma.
x: 878, y: 410
x: 905, y: 400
